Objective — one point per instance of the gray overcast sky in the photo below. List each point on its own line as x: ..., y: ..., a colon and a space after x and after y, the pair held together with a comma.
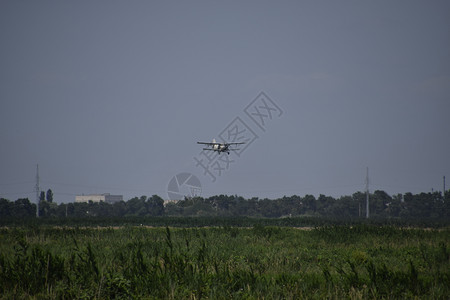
x: 111, y: 96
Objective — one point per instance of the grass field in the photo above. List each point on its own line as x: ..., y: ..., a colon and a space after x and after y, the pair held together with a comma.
x: 353, y: 262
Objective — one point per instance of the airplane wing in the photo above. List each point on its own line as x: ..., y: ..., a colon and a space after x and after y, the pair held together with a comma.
x: 210, y: 149
x: 218, y: 143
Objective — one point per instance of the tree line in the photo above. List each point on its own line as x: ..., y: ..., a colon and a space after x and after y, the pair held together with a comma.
x: 382, y: 205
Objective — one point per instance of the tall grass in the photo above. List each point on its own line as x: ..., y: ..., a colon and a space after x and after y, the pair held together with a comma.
x: 224, y: 262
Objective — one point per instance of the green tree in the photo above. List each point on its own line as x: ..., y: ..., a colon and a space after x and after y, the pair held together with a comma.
x: 395, y: 206
x: 80, y: 209
x: 136, y: 206
x: 155, y: 205
x: 50, y: 195
x: 172, y: 209
x: 119, y: 209
x: 309, y: 204
x: 379, y: 201
x: 5, y: 207
x: 61, y: 210
x: 70, y: 209
x: 345, y: 206
x: 360, y: 199
x: 23, y: 208
x: 325, y: 205
x: 44, y: 208
x: 445, y: 212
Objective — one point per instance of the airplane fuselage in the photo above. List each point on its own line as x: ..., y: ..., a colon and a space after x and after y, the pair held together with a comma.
x: 220, y: 148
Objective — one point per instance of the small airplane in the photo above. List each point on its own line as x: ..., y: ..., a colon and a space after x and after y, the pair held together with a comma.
x: 220, y: 147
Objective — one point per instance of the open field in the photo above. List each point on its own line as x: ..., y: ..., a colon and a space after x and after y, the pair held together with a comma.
x: 356, y: 262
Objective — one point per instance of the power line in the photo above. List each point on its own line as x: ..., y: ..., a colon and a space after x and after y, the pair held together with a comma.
x: 72, y: 189
x: 17, y: 193
x: 16, y: 183
x: 95, y: 187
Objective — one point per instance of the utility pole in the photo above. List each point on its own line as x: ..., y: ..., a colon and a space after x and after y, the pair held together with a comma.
x: 367, y: 193
x: 37, y: 191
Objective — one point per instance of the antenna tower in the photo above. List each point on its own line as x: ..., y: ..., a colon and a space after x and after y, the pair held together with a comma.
x: 37, y: 191
x: 367, y: 192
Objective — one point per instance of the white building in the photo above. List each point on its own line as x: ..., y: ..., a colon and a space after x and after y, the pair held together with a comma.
x: 108, y: 198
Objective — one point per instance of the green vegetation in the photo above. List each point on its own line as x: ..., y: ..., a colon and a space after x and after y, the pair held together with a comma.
x: 361, y: 261
x: 227, y: 247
